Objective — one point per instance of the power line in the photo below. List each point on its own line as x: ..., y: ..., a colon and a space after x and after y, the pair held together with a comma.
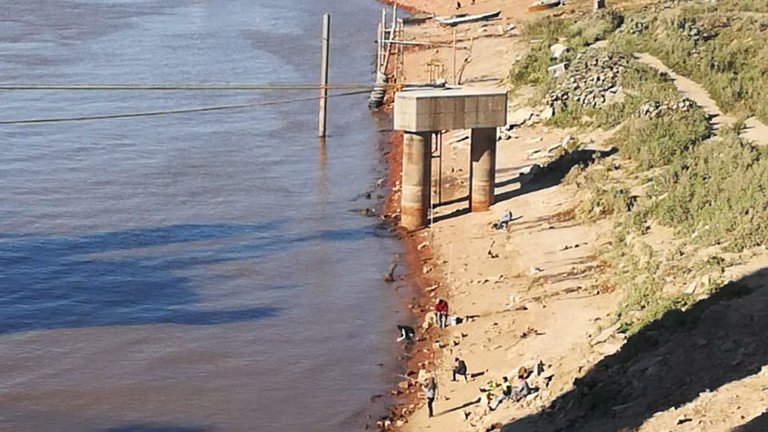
x: 182, y: 86
x: 170, y: 112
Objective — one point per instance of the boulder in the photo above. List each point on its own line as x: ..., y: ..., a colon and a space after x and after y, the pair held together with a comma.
x: 558, y: 50
x: 557, y: 70
x: 609, y: 348
x: 691, y: 289
x: 605, y: 334
x: 519, y: 118
x: 530, y: 169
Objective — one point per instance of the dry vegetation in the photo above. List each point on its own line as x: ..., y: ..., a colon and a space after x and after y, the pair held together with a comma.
x: 723, y: 46
x: 670, y: 171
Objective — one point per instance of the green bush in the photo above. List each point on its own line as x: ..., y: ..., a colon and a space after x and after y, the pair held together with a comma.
x: 532, y: 69
x: 548, y: 29
x: 593, y: 28
x: 604, y: 201
x: 732, y: 65
x: 718, y: 194
x: 659, y: 141
x: 577, y: 33
x: 711, y: 191
x: 640, y: 277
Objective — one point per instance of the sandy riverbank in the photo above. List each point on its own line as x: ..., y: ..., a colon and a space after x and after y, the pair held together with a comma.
x: 533, y: 291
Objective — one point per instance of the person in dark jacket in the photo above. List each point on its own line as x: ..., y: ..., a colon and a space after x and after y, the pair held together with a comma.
x: 460, y: 369
x: 406, y: 333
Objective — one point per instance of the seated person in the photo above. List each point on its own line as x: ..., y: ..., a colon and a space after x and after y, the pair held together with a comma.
x: 460, y: 369
x: 522, y: 389
x: 516, y: 393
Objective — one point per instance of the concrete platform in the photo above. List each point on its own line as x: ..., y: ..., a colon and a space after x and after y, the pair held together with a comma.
x: 437, y: 110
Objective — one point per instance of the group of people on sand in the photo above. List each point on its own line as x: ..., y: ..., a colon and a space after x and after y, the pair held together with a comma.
x: 514, y: 392
x: 508, y: 390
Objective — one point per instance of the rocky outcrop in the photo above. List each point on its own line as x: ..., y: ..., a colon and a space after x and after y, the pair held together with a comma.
x: 592, y: 81
x: 655, y: 109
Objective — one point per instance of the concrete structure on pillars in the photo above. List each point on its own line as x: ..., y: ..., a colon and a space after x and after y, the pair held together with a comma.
x: 421, y: 113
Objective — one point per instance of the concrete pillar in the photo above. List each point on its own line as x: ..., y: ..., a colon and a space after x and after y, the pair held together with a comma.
x: 417, y: 178
x: 482, y: 171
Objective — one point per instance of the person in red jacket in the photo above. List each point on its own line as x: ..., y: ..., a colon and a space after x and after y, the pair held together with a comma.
x: 441, y: 308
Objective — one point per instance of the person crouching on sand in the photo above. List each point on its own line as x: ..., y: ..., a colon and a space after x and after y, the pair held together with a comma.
x: 406, y: 333
x: 441, y: 308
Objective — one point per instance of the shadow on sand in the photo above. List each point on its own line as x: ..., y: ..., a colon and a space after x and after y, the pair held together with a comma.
x: 548, y: 176
x: 668, y: 363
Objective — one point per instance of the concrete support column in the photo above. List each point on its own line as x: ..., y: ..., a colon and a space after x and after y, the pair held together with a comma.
x: 482, y: 171
x: 417, y: 178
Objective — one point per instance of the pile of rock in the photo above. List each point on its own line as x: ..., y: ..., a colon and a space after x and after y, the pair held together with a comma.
x: 656, y: 109
x: 672, y: 3
x: 592, y: 81
x: 635, y: 26
x: 697, y: 33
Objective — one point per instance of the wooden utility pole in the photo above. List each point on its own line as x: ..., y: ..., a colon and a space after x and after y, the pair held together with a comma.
x: 324, y: 75
x: 382, y: 38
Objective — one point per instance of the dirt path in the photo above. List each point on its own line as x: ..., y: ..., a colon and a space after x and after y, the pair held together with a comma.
x: 755, y: 131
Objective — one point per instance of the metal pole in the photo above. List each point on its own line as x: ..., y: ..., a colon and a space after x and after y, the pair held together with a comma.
x: 384, y: 24
x: 380, y: 36
x: 384, y: 37
x: 324, y: 75
x: 454, y: 56
x: 394, y: 18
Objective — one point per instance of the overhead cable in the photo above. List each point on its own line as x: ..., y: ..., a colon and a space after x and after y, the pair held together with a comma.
x: 171, y: 111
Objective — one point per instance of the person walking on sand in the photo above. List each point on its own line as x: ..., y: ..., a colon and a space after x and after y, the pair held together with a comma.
x: 441, y: 308
x: 460, y: 369
x: 430, y: 391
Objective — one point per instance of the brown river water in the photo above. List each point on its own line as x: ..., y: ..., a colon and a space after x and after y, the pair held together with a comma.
x: 196, y: 272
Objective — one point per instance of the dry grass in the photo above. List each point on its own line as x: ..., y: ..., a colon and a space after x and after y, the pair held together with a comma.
x: 710, y: 190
